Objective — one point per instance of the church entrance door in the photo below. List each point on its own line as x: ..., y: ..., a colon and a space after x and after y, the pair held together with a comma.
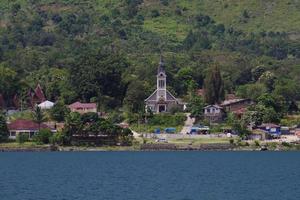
x: 162, y: 108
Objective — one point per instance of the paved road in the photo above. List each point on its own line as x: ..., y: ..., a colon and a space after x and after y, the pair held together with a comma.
x: 188, y: 124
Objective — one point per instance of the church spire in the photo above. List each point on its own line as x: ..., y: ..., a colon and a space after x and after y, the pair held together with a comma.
x: 161, y: 65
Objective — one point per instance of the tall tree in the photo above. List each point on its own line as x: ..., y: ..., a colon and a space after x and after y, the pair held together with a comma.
x: 3, y: 128
x: 135, y: 95
x: 214, y: 86
x: 38, y: 116
x: 59, y: 111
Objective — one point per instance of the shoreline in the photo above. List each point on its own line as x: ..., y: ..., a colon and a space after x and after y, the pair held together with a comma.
x: 153, y: 147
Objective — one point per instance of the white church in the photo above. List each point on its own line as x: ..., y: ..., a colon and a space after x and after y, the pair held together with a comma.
x: 161, y: 100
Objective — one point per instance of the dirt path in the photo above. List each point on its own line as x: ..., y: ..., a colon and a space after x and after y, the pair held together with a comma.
x: 188, y: 124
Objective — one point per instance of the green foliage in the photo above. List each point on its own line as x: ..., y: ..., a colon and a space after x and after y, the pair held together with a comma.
x: 214, y: 86
x: 22, y: 138
x: 43, y: 136
x: 3, y: 128
x: 167, y: 120
x: 57, y: 138
x: 8, y: 83
x: 195, y: 107
x: 59, y: 111
x: 257, y: 143
x: 108, y: 52
x: 90, y: 124
x: 38, y: 115
x: 251, y: 91
x: 237, y: 125
x: 135, y: 96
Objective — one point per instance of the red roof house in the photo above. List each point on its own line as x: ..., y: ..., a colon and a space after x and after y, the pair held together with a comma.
x: 22, y: 126
x: 83, y: 107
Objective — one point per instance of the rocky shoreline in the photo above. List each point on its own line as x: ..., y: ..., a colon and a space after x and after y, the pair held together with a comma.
x: 156, y: 147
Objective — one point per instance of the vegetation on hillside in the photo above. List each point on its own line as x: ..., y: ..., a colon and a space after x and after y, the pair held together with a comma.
x: 107, y: 51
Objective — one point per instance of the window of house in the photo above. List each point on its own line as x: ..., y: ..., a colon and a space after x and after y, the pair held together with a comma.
x: 13, y: 134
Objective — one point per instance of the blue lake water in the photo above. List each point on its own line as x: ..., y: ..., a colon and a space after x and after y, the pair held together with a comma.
x: 150, y: 175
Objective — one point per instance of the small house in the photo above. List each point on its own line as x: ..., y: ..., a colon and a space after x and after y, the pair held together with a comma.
x: 83, y: 107
x: 28, y: 127
x: 272, y: 129
x: 237, y: 106
x: 213, y: 113
x: 46, y: 105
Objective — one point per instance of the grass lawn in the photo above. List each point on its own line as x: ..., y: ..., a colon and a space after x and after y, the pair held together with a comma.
x: 17, y: 145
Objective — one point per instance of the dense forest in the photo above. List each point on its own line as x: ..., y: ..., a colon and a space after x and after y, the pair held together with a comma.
x: 107, y: 51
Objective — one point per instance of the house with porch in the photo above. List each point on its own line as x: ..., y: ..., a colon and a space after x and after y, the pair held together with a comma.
x: 28, y: 127
x: 214, y: 113
x: 161, y: 100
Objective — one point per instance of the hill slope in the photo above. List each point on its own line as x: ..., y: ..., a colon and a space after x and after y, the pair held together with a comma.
x: 107, y: 49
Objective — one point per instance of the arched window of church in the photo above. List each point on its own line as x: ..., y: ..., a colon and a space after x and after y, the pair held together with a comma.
x: 161, y: 83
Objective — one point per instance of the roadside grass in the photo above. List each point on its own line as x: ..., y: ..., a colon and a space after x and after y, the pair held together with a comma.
x: 18, y: 145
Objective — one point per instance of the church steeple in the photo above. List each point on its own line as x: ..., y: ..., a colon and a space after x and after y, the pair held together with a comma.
x: 161, y: 66
x: 161, y: 81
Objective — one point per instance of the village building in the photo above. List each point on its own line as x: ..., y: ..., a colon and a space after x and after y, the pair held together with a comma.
x: 217, y: 113
x: 233, y: 105
x: 46, y: 105
x: 37, y: 96
x: 214, y: 113
x: 161, y: 100
x: 83, y: 107
x: 25, y: 127
x: 236, y: 106
x: 272, y: 130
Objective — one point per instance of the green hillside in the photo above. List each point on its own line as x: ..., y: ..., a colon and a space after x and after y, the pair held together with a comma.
x: 250, y: 16
x: 104, y: 50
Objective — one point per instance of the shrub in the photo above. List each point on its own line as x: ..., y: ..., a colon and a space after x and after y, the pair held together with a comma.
x: 43, y: 136
x: 167, y: 119
x: 155, y: 13
x: 286, y: 144
x: 22, y: 138
x: 257, y: 143
x: 57, y: 138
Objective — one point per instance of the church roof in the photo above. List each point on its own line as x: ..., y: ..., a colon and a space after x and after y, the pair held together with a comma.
x: 169, y: 97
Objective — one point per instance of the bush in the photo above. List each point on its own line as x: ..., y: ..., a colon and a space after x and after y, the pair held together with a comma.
x: 155, y: 13
x: 43, y: 136
x: 22, y: 138
x: 167, y: 119
x: 57, y: 138
x: 286, y: 144
x: 257, y: 143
